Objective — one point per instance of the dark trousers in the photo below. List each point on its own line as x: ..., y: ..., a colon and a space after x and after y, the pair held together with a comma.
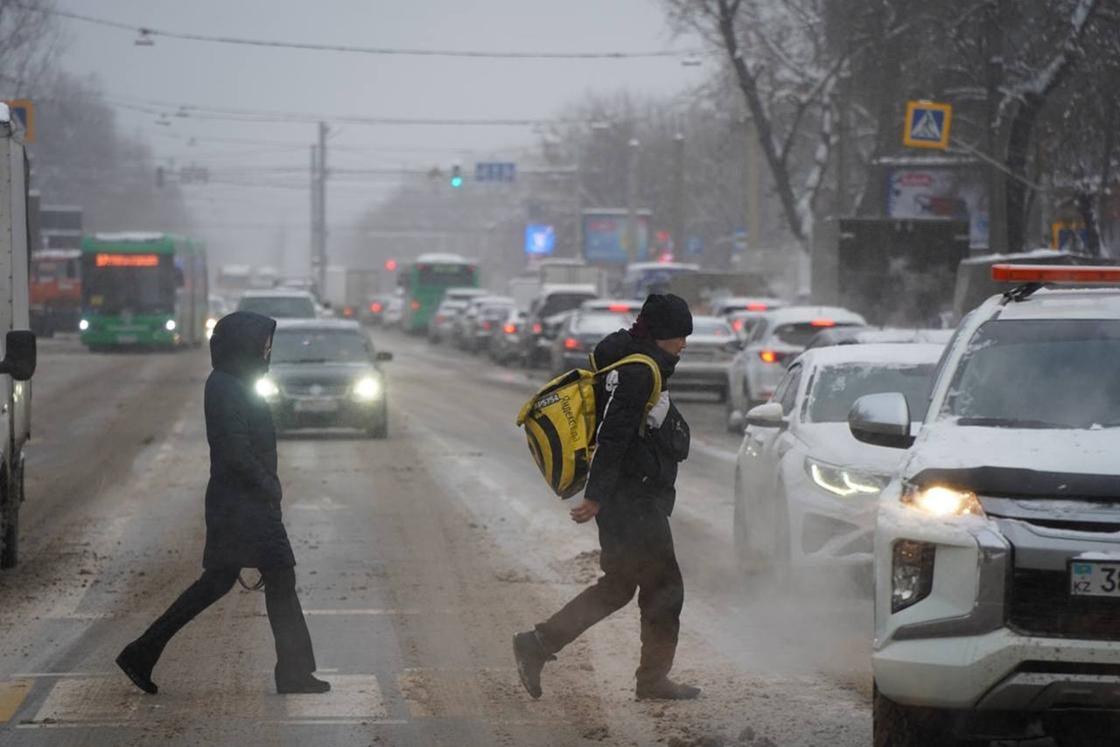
x: 294, y: 656
x: 637, y: 555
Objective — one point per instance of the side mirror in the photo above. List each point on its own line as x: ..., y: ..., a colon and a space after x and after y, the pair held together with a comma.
x: 20, y: 355
x: 382, y: 356
x: 881, y: 420
x: 769, y: 415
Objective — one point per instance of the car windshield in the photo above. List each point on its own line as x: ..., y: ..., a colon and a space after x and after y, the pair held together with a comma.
x: 319, y: 346
x: 711, y: 328
x: 279, y: 307
x: 836, y: 388
x: 1054, y: 373
x: 801, y: 333
x: 601, y: 324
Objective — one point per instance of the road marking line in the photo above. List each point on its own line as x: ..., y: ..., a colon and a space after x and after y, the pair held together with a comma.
x: 68, y: 675
x: 353, y: 696
x: 12, y: 695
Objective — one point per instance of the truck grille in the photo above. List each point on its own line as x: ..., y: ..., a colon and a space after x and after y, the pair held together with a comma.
x: 305, y: 389
x: 1041, y: 605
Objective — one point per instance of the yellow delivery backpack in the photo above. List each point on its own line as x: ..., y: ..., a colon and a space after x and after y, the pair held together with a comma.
x: 560, y: 424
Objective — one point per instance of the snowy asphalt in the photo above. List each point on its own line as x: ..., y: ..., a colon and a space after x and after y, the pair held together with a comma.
x: 419, y: 557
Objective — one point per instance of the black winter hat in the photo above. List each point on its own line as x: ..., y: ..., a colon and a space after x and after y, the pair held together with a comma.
x: 664, y: 317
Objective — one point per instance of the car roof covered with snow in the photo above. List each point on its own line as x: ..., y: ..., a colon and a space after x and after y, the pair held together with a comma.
x: 885, y: 354
x: 340, y: 325
x: 277, y: 293
x: 1057, y: 303
x: 805, y: 314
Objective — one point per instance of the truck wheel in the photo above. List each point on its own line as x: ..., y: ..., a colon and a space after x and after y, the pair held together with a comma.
x: 895, y: 725
x: 9, y: 543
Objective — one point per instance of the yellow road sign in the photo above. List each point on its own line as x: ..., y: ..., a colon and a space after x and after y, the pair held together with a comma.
x: 23, y: 110
x: 927, y: 125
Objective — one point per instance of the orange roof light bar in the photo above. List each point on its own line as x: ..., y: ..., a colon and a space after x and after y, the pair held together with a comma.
x: 822, y: 323
x: 1084, y: 274
x: 127, y: 260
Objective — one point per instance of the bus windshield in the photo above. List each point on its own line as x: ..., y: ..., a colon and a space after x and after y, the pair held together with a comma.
x: 445, y: 275
x: 139, y: 289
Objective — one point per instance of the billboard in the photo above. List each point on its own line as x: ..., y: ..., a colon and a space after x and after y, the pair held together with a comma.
x: 932, y: 192
x: 604, y: 236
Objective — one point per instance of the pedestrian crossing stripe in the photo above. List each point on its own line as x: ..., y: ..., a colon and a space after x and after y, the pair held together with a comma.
x: 927, y: 125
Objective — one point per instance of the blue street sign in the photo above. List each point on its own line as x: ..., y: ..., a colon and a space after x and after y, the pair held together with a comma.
x: 695, y: 246
x: 495, y: 171
x: 927, y: 124
x: 540, y: 239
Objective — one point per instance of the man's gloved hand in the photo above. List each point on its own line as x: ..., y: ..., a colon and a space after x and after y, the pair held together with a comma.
x: 585, y: 511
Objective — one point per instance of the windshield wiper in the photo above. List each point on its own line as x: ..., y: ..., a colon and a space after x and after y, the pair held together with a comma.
x: 1010, y: 423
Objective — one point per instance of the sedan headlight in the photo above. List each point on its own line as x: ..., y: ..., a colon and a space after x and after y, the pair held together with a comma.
x: 940, y: 500
x: 368, y: 389
x: 843, y: 481
x: 267, y: 388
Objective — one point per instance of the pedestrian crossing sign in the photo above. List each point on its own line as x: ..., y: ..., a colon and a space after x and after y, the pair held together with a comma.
x: 927, y: 125
x: 23, y: 111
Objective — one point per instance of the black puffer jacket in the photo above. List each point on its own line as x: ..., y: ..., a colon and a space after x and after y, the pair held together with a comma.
x: 629, y: 465
x: 243, y: 520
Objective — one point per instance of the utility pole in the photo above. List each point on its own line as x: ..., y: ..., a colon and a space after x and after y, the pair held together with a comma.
x: 320, y: 244
x: 632, y: 201
x: 313, y: 253
x: 678, y: 196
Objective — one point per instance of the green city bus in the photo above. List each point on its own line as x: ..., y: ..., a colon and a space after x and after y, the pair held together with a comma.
x: 143, y: 289
x: 424, y: 282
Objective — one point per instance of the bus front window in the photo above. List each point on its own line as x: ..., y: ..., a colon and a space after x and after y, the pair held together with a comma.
x: 141, y: 290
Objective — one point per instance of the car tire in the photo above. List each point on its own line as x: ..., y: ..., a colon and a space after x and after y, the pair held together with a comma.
x: 895, y: 725
x: 380, y: 427
x: 9, y: 552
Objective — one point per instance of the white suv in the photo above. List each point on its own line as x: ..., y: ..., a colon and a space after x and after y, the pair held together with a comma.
x: 997, y: 546
x: 777, y: 338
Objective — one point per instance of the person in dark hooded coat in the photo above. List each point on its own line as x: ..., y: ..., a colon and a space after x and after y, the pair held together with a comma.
x: 243, y: 519
x: 630, y: 493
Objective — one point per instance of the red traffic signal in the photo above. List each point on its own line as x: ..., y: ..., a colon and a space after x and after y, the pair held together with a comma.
x: 391, y: 265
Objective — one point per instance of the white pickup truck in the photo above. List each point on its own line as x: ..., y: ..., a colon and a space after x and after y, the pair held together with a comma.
x: 17, y: 363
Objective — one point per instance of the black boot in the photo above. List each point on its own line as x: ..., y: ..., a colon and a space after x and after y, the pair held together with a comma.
x: 299, y: 685
x: 666, y: 689
x: 531, y: 658
x: 137, y: 661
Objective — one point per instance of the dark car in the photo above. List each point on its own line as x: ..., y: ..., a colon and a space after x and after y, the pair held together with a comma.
x: 325, y: 374
x: 580, y: 335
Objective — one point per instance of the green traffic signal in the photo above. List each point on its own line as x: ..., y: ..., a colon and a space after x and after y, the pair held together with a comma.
x: 456, y: 177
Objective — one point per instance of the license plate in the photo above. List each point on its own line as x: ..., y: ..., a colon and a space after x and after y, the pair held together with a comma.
x: 127, y: 339
x: 1093, y: 578
x: 316, y: 405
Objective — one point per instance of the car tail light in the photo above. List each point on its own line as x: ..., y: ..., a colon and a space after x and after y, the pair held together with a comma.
x: 348, y: 311
x: 375, y: 308
x: 571, y: 344
x: 619, y: 308
x: 768, y: 356
x: 510, y: 329
x: 537, y: 328
x: 737, y: 325
x: 757, y: 307
x: 822, y: 323
x: 1055, y: 274
x: 486, y: 326
x: 415, y: 306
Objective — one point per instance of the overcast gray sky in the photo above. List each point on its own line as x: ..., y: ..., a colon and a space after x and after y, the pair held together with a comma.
x: 353, y: 84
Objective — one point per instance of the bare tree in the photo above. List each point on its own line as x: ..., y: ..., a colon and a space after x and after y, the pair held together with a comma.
x: 29, y: 44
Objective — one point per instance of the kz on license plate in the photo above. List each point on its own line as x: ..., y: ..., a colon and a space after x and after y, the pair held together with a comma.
x: 316, y: 405
x: 1094, y: 578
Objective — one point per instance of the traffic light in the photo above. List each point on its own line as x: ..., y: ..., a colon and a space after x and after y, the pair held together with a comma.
x: 391, y: 265
x: 456, y: 177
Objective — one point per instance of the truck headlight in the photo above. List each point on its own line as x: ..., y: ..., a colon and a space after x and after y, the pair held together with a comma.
x: 843, y: 481
x: 170, y: 325
x: 367, y: 389
x: 939, y: 500
x: 267, y: 388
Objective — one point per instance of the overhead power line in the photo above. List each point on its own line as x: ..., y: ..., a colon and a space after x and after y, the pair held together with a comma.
x: 148, y: 33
